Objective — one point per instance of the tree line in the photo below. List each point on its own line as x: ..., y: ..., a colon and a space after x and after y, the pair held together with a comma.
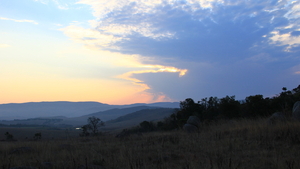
x: 228, y: 107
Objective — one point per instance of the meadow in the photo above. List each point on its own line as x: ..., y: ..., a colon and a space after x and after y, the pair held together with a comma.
x: 224, y: 144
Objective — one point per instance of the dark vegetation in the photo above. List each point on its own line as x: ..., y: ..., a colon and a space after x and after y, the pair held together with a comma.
x: 92, y: 128
x: 226, y: 144
x: 213, y: 109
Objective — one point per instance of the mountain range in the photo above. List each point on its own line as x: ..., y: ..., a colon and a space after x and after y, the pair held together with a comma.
x: 75, y: 114
x: 13, y: 111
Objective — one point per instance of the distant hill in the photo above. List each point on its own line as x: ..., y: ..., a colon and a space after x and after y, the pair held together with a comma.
x: 46, y: 109
x: 119, y: 118
x: 105, y: 115
x: 157, y: 104
x: 63, y: 108
x: 135, y: 118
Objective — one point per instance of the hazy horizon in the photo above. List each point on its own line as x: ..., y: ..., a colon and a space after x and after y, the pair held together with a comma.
x: 85, y: 102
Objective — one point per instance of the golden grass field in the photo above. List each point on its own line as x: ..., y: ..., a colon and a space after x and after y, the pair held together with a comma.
x: 234, y: 144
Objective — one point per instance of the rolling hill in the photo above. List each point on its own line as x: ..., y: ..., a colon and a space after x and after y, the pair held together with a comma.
x: 116, y: 117
x: 13, y: 111
x: 135, y: 118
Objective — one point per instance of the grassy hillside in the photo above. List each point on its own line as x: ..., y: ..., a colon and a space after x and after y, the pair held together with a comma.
x: 241, y: 144
x: 103, y: 115
x: 135, y: 118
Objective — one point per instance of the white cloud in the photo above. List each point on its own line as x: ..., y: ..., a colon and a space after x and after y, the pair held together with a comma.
x: 282, y: 35
x: 294, y: 11
x: 15, y: 20
x: 144, y: 29
x: 107, y: 34
x: 90, y: 37
x: 196, y: 4
x: 285, y: 39
x: 104, y: 7
x: 60, y: 4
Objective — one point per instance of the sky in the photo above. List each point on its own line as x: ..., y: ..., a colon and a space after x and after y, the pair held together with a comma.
x: 145, y: 51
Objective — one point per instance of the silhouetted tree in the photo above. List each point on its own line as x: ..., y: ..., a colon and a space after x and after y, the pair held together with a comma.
x: 92, y: 127
x: 85, y: 131
x: 169, y: 123
x: 229, y: 107
x: 296, y: 94
x: 257, y: 106
x: 188, y: 105
x: 93, y: 124
x: 211, y: 110
x: 147, y: 126
x: 187, y: 108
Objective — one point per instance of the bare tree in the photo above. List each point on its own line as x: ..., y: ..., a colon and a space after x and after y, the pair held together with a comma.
x: 93, y: 124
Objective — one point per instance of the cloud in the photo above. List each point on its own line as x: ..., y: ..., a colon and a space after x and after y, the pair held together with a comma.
x: 294, y: 10
x: 192, y: 28
x: 60, y: 4
x: 103, y: 8
x: 285, y: 39
x: 151, y: 69
x: 241, y: 41
x: 287, y: 35
x: 143, y: 97
x: 90, y: 37
x: 15, y: 20
x: 105, y: 39
x: 144, y: 29
x: 4, y: 45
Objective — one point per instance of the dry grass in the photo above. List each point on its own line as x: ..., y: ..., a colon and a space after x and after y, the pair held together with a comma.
x: 27, y: 133
x: 223, y: 145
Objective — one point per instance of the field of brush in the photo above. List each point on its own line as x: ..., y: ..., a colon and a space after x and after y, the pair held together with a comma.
x: 27, y: 133
x: 234, y: 144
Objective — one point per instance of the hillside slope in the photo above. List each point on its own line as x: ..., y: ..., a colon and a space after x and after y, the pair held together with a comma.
x: 104, y: 115
x: 19, y: 111
x: 135, y: 118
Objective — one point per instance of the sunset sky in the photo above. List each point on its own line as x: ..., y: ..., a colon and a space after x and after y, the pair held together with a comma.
x: 144, y: 51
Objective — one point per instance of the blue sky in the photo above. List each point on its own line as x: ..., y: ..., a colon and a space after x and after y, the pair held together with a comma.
x: 126, y: 51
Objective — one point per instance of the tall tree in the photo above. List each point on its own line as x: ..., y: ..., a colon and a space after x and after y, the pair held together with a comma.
x: 230, y: 107
x: 94, y: 123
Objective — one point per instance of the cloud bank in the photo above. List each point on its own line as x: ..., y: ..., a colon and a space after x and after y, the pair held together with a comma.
x: 234, y: 43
